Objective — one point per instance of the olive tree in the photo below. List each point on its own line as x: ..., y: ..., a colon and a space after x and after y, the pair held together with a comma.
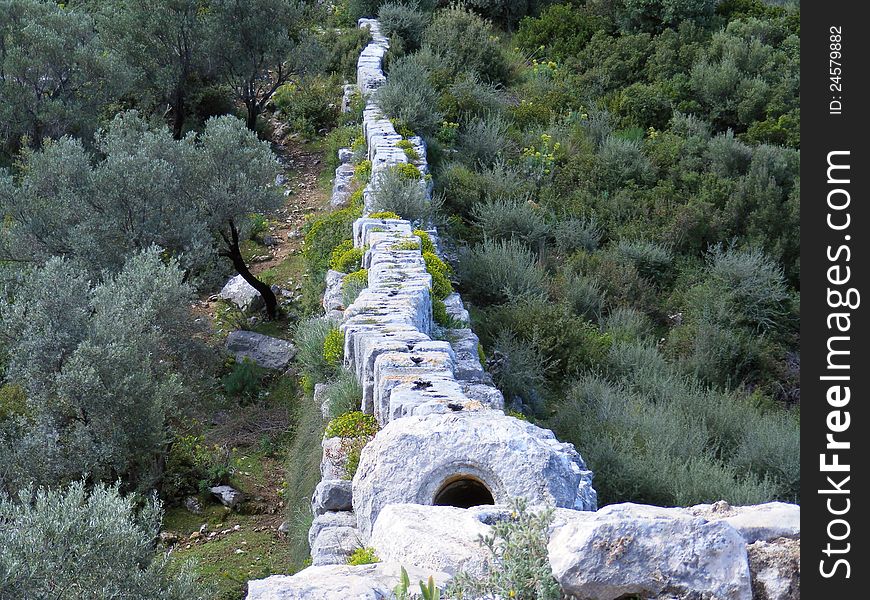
x: 100, y: 368
x: 55, y: 75
x: 76, y: 543
x: 251, y: 46
x: 191, y: 197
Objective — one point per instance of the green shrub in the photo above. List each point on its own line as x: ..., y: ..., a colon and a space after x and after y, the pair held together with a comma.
x: 621, y: 161
x: 647, y: 412
x: 345, y: 258
x: 519, y: 566
x: 468, y: 96
x: 352, y: 285
x: 384, y: 214
x: 404, y: 21
x: 426, y: 244
x: 507, y: 219
x: 406, y: 245
x: 518, y: 368
x: 754, y: 282
x: 343, y: 394
x: 651, y: 260
x: 439, y: 312
x: 407, y: 171
x: 440, y: 272
x: 398, y: 194
x: 584, y: 296
x: 333, y: 347
x: 576, y: 234
x: 310, y: 339
x: 408, y: 148
x: 340, y: 137
x: 463, y: 187
x: 323, y: 234
x: 483, y: 141
x: 627, y: 325
x: 464, y: 42
x: 311, y: 105
x: 409, y: 97
x: 568, y: 343
x: 363, y: 171
x: 363, y: 556
x: 244, y: 380
x: 352, y: 425
x: 564, y: 29
x: 192, y: 466
x: 79, y: 543
x: 497, y: 271
x: 343, y: 47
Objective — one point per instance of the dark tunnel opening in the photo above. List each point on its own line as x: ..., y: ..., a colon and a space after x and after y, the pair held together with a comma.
x: 463, y: 492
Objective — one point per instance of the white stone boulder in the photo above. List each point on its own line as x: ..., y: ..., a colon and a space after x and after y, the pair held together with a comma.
x: 267, y: 352
x: 433, y: 538
x: 239, y: 292
x: 334, y: 545
x: 628, y: 550
x: 331, y: 495
x: 776, y: 569
x: 762, y: 522
x: 228, y: 496
x: 332, y: 299
x: 412, y: 459
x: 340, y: 582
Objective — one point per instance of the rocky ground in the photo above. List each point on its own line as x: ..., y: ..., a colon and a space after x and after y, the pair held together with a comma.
x: 248, y: 541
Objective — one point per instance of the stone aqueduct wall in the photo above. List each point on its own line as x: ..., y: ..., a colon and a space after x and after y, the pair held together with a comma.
x: 442, y: 426
x: 440, y: 415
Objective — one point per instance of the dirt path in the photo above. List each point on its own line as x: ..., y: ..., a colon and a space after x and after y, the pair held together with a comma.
x: 302, y: 165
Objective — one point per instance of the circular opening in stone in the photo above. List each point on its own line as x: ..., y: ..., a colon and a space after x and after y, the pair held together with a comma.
x: 463, y: 491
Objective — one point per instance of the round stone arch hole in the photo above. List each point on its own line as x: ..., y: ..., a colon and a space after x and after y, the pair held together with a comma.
x: 463, y: 491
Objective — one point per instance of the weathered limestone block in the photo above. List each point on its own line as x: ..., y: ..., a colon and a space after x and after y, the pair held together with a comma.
x: 333, y: 545
x: 433, y: 538
x: 488, y: 395
x: 267, y: 352
x: 776, y: 569
x: 363, y: 582
x: 332, y: 296
x: 763, y: 522
x: 331, y: 495
x: 341, y: 518
x: 468, y: 367
x: 630, y: 549
x: 412, y: 459
x: 239, y: 292
x: 455, y: 308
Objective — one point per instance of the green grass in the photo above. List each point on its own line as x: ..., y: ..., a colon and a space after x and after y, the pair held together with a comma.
x: 288, y: 270
x: 217, y: 561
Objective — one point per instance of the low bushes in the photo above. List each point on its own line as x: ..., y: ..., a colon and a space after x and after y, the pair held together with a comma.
x: 500, y: 270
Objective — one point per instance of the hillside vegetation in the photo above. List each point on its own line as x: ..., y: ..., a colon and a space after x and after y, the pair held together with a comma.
x: 616, y: 187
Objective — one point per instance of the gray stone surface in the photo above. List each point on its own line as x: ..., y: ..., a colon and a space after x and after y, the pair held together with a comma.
x: 411, y: 458
x: 651, y: 552
x: 239, y: 292
x: 776, y: 569
x: 331, y: 495
x: 339, y: 582
x: 332, y: 296
x: 267, y: 352
x: 434, y: 538
x: 228, y: 496
x: 333, y: 545
x: 327, y: 520
x: 763, y: 522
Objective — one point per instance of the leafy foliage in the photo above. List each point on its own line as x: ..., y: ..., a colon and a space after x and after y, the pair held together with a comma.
x: 102, y: 368
x: 351, y: 425
x: 107, y: 549
x: 519, y: 566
